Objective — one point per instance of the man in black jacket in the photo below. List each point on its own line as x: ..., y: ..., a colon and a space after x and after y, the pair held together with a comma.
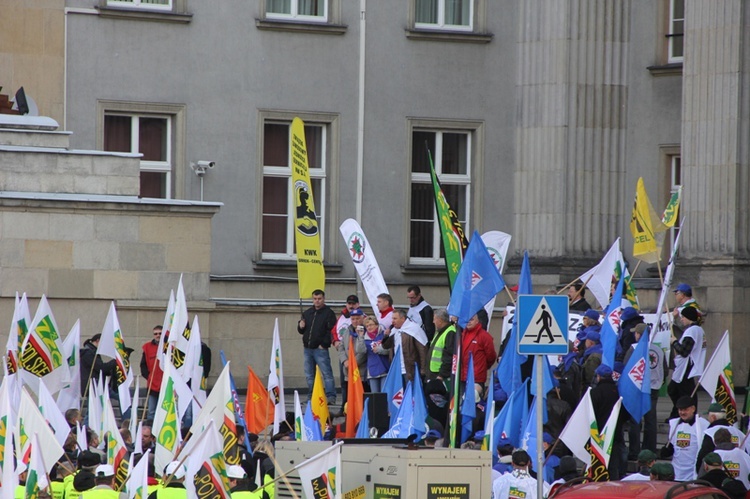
x: 92, y: 363
x: 315, y: 327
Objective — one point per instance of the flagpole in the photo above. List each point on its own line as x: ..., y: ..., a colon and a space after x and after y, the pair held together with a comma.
x: 630, y: 277
x: 539, y: 423
x: 510, y: 294
x: 578, y: 292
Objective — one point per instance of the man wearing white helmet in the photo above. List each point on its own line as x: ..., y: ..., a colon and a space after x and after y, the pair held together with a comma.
x: 175, y: 489
x: 104, y: 477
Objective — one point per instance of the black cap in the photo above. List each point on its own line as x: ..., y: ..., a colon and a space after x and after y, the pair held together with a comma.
x: 690, y: 313
x: 684, y: 402
x: 352, y: 299
x: 89, y: 459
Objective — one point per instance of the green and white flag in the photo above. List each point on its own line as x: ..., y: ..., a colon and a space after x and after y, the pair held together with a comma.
x: 31, y: 421
x: 42, y: 352
x: 718, y: 376
x: 36, y: 478
x: 70, y: 395
x: 137, y: 484
x: 8, y: 479
x: 166, y: 424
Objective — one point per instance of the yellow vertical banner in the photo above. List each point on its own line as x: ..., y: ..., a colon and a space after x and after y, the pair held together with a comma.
x: 646, y: 227
x: 310, y: 271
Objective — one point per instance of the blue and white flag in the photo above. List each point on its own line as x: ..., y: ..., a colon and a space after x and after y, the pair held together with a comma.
x: 312, y: 427
x: 418, y: 421
x: 469, y: 404
x: 393, y: 386
x: 509, y: 367
x: 610, y: 326
x: 363, y: 430
x: 400, y: 427
x: 635, y: 381
x: 477, y: 282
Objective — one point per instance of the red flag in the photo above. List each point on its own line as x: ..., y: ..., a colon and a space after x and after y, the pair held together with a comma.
x: 258, y: 407
x: 355, y: 394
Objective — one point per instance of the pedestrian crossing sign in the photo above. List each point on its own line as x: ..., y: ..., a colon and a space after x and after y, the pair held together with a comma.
x: 542, y: 325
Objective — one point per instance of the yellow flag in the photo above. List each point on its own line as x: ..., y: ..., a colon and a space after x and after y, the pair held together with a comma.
x: 310, y: 271
x: 319, y: 402
x: 646, y: 226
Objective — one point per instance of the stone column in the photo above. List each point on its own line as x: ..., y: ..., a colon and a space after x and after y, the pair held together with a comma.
x: 572, y: 98
x: 714, y: 250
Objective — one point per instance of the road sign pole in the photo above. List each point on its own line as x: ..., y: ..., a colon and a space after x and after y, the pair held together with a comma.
x: 539, y: 430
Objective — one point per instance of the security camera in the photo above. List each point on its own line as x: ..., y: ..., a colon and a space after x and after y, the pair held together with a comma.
x: 206, y: 164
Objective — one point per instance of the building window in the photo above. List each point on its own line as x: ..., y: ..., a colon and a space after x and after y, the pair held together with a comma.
x: 444, y: 14
x: 142, y: 4
x: 676, y: 30
x: 451, y: 152
x: 150, y: 135
x: 277, y: 232
x: 303, y: 10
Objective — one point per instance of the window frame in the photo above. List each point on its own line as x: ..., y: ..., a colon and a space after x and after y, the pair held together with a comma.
x: 474, y: 131
x: 324, y: 203
x: 671, y: 35
x: 175, y: 114
x: 440, y: 24
x: 295, y: 16
x: 138, y: 4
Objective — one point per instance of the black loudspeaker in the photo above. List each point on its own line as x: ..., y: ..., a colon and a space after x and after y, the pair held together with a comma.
x: 377, y: 411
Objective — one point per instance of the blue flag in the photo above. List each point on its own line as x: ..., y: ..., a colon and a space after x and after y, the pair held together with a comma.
x: 400, y: 427
x: 478, y: 280
x: 611, y: 325
x: 529, y: 433
x: 548, y: 381
x: 469, y: 404
x: 501, y: 421
x: 635, y: 381
x: 509, y: 367
x: 312, y: 427
x: 517, y: 416
x: 418, y: 421
x: 363, y: 430
x: 239, y: 417
x: 393, y: 386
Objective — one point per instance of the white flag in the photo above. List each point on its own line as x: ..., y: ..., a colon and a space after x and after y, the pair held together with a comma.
x: 96, y: 403
x: 578, y: 431
x: 81, y: 440
x: 719, y: 368
x: 166, y: 423
x: 322, y: 472
x: 194, y: 367
x: 165, y: 329
x: 497, y: 244
x: 276, y: 380
x: 31, y: 421
x: 179, y: 332
x: 135, y: 406
x: 50, y: 411
x: 299, y: 420
x: 137, y: 484
x: 202, y: 465
x: 599, y: 278
x: 603, y: 445
x: 36, y: 478
x: 42, y: 352
x: 70, y: 396
x: 364, y: 260
x: 7, y: 425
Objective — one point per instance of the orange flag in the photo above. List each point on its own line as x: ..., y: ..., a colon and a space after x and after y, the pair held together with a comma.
x: 258, y: 407
x: 355, y: 394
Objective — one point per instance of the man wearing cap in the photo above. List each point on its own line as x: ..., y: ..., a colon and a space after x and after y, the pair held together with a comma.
x: 592, y: 356
x: 354, y: 330
x: 83, y: 479
x: 338, y: 331
x: 105, y: 485
x: 685, y: 435
x: 420, y: 311
x: 440, y: 351
x: 683, y: 294
x: 175, y: 489
x: 713, y: 470
x: 517, y: 483
x: 504, y: 454
x: 663, y: 472
x: 689, y: 357
x: 717, y: 419
x: 646, y: 459
x: 629, y: 318
x: 735, y: 460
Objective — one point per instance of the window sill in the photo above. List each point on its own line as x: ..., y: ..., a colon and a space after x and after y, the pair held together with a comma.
x: 301, y: 27
x: 291, y: 265
x: 144, y: 15
x: 427, y: 268
x: 671, y: 69
x: 448, y: 36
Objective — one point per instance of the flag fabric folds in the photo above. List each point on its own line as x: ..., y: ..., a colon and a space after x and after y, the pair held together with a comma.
x: 239, y: 416
x: 52, y: 414
x: 717, y: 378
x: 312, y: 427
x: 70, y: 395
x: 451, y: 232
x: 635, y: 381
x: 393, y: 386
x: 31, y: 421
x: 580, y: 427
x: 497, y: 244
x: 363, y: 430
x: 166, y: 424
x: 36, y: 478
x: 299, y: 422
x: 137, y: 483
x: 477, y: 282
x: 310, y: 271
x: 599, y: 278
x: 258, y: 405
x: 8, y: 477
x: 469, y: 404
x: 42, y: 351
x: 509, y: 367
x: 112, y: 345
x: 206, y: 466
x: 364, y: 260
x: 400, y: 427
x: 320, y: 476
x: 646, y: 226
x: 355, y: 393
x: 610, y: 326
x: 276, y: 380
x: 601, y: 446
x: 319, y: 401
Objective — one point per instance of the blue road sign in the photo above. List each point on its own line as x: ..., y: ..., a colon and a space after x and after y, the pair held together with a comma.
x: 542, y: 325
